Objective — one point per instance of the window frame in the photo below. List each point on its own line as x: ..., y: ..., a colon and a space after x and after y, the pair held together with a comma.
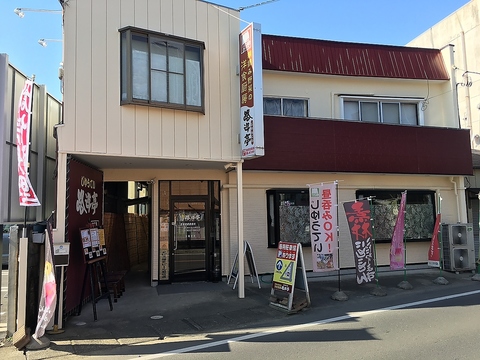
x: 126, y: 70
x: 380, y: 101
x: 306, y: 102
x: 273, y: 227
x: 413, y: 197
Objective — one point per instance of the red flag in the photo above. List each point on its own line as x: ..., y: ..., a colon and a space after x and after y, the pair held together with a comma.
x: 27, y: 196
x: 434, y: 250
x: 48, y: 299
x: 397, y: 249
x: 359, y: 222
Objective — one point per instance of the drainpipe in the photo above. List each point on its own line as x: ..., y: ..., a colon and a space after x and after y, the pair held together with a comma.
x: 467, y: 88
x: 456, y: 197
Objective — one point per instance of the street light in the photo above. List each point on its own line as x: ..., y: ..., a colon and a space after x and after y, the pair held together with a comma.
x: 21, y: 14
x: 43, y: 42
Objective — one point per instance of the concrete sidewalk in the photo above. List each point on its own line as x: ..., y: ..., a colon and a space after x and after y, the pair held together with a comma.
x: 146, y: 314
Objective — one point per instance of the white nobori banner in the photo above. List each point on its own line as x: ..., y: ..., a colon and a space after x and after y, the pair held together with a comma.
x: 323, y: 226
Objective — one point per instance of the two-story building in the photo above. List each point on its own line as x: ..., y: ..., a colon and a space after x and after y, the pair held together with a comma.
x: 461, y: 31
x: 152, y: 118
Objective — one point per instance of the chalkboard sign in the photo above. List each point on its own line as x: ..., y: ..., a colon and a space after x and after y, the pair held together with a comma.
x: 93, y: 244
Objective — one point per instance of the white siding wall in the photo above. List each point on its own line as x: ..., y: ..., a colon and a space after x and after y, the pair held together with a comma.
x: 255, y: 217
x: 323, y: 93
x: 94, y: 120
x: 462, y: 30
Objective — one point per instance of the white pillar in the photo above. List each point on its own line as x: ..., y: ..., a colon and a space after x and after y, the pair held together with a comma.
x: 22, y: 279
x: 60, y: 214
x: 241, y: 260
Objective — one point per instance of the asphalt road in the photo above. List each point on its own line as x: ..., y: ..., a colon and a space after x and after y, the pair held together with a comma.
x: 442, y: 327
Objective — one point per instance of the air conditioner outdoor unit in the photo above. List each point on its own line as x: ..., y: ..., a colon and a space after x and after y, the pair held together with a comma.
x: 458, y: 247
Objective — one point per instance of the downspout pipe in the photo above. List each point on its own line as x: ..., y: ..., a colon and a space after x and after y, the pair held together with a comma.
x: 452, y: 180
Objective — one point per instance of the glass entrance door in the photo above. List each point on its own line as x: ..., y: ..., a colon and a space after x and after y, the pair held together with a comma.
x: 188, y: 241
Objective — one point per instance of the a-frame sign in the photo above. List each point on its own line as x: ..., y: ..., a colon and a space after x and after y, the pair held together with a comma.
x: 248, y: 254
x: 289, y: 275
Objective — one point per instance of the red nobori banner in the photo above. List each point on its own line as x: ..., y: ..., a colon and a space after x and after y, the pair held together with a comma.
x: 323, y: 226
x: 27, y: 196
x: 359, y: 221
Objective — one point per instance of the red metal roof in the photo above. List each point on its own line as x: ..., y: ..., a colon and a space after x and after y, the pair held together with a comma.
x: 314, y: 56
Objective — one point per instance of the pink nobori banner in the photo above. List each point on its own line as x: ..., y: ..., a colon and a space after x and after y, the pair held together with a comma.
x: 397, y: 248
x: 27, y: 196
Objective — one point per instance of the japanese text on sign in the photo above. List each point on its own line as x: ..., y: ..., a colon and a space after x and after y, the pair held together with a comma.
x: 359, y: 222
x: 323, y: 226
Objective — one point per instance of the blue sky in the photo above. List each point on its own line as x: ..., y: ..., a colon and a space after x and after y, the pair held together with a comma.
x: 390, y: 22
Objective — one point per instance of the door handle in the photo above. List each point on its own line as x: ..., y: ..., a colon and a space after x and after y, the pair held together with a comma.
x: 175, y: 242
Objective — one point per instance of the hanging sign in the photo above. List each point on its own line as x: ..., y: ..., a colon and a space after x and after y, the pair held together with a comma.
x: 323, y: 226
x: 27, y: 196
x: 359, y: 222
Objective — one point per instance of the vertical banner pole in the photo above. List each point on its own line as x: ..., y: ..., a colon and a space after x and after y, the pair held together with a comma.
x: 440, y: 240
x: 338, y: 238
x: 241, y: 246
x: 372, y: 211
x: 405, y: 242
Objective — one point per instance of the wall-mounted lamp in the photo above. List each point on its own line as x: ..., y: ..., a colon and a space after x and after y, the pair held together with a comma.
x: 21, y: 11
x: 44, y: 42
x: 230, y: 167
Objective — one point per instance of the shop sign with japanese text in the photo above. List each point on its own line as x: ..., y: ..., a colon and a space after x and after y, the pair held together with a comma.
x: 251, y: 92
x: 285, y: 266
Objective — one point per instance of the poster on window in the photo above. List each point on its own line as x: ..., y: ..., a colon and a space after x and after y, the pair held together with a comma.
x: 323, y: 226
x: 251, y: 92
x: 397, y: 248
x: 434, y: 250
x: 359, y: 222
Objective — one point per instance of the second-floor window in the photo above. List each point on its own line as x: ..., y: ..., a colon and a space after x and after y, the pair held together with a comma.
x: 285, y: 106
x: 161, y: 70
x: 389, y: 111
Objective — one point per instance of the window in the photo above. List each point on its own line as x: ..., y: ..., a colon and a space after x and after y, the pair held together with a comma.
x: 160, y: 70
x: 389, y: 111
x: 419, y: 213
x: 288, y: 216
x: 285, y: 107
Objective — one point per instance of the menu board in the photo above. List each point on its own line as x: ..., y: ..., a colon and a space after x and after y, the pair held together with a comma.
x: 93, y: 243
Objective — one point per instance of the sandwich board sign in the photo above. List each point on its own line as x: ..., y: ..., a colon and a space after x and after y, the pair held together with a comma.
x: 289, y: 275
x: 248, y: 254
